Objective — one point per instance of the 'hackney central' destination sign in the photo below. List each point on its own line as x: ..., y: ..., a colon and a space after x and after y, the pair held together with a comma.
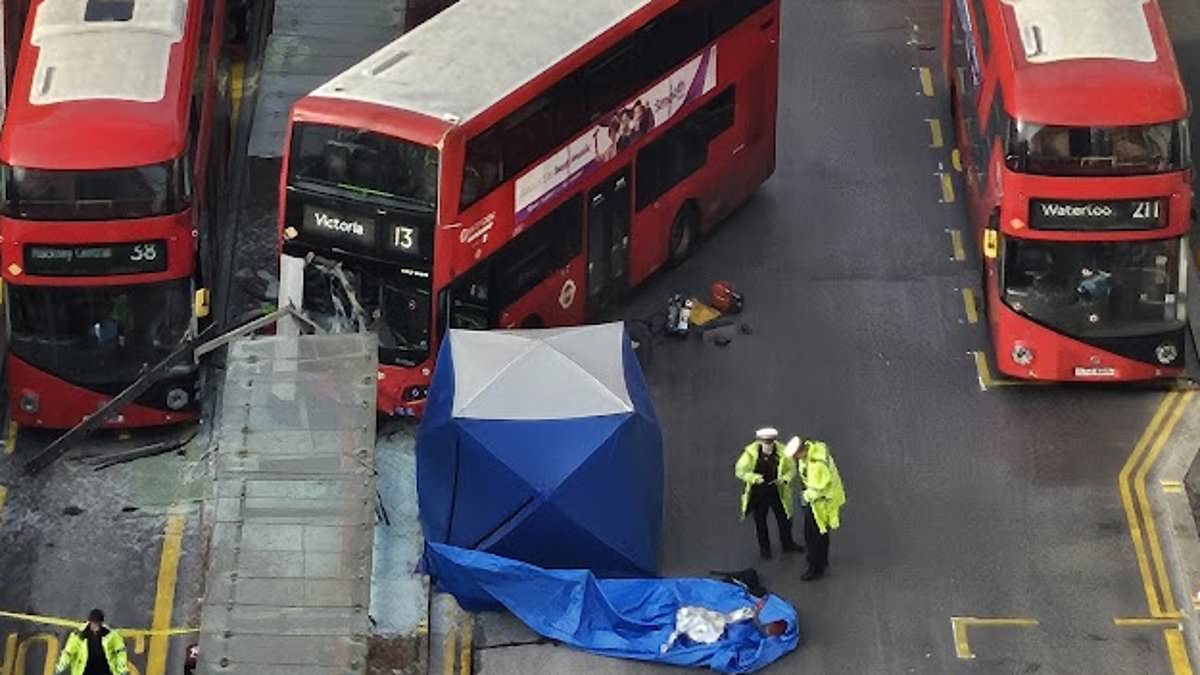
x: 1127, y: 214
x: 57, y: 260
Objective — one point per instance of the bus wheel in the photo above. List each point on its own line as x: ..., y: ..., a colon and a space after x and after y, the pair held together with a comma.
x: 684, y: 233
x: 533, y: 321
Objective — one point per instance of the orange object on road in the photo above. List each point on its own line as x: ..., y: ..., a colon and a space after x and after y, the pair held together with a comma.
x: 725, y: 299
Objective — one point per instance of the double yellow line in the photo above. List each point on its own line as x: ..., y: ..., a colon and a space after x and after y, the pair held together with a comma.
x: 1142, y: 529
x: 1160, y: 598
x: 459, y: 637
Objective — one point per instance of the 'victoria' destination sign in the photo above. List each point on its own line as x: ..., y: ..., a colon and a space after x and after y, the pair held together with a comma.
x: 56, y: 260
x: 1128, y: 214
x: 361, y: 233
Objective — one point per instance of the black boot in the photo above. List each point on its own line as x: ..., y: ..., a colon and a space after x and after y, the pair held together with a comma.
x: 792, y: 547
x: 811, y: 574
x: 764, y: 552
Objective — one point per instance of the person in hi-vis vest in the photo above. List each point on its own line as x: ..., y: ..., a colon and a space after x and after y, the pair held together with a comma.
x: 823, y: 497
x: 768, y: 474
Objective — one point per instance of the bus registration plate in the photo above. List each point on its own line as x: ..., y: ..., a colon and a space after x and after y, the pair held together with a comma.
x: 1095, y: 372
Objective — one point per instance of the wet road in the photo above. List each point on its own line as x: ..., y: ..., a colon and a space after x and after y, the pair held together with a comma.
x: 962, y: 503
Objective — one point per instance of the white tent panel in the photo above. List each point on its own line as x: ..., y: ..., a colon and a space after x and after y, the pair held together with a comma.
x: 559, y: 373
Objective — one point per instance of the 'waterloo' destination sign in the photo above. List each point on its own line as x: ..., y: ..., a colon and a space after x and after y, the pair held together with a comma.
x: 1127, y: 214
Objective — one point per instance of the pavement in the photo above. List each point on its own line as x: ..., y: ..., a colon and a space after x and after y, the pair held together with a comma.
x: 991, y: 527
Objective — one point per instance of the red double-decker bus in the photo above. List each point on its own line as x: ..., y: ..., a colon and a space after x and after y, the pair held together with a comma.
x: 522, y: 163
x: 103, y: 162
x: 1072, y: 123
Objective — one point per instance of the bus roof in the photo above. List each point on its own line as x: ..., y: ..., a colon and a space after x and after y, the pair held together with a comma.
x: 100, y: 85
x: 1092, y: 63
x: 475, y: 53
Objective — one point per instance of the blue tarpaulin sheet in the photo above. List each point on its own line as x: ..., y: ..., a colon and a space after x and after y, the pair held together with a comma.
x: 623, y: 618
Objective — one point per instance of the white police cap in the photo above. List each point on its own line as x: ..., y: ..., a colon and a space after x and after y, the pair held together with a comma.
x: 767, y: 434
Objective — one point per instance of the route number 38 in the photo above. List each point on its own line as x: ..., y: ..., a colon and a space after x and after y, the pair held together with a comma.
x: 144, y: 253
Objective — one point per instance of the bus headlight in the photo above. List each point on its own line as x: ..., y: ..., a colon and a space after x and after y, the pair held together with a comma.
x: 177, y: 399
x: 1022, y: 355
x: 416, y: 393
x: 1166, y: 353
x: 29, y: 402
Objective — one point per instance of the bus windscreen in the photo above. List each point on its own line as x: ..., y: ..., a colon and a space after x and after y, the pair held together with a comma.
x: 107, y: 194
x: 366, y: 163
x: 1099, y: 151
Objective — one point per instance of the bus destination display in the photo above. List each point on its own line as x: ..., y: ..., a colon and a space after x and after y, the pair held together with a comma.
x: 355, y: 232
x: 1129, y: 214
x: 55, y: 260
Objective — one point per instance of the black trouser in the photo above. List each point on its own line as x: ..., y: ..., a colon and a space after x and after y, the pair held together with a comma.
x: 816, y: 543
x: 771, y: 502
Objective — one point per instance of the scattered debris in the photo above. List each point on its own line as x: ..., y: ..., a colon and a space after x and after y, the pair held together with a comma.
x: 72, y: 511
x: 726, y: 299
x: 153, y: 449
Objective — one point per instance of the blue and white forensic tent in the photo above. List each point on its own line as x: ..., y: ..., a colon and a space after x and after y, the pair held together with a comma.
x: 542, y: 446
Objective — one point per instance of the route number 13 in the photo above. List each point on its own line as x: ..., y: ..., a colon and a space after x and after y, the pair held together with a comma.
x: 404, y: 237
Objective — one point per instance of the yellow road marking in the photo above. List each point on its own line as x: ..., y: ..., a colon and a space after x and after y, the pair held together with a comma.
x: 956, y: 159
x: 1131, y: 514
x: 1171, y: 486
x: 164, y: 596
x: 983, y: 371
x: 451, y: 639
x: 465, y: 654
x: 237, y: 83
x: 956, y: 242
x: 947, y: 187
x: 1143, y: 621
x: 969, y: 304
x: 926, y: 81
x: 959, y: 625
x: 1156, y: 555
x: 1180, y: 664
x: 3, y: 497
x: 10, y: 438
x: 935, y: 132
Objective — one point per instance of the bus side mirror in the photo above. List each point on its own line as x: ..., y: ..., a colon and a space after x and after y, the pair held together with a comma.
x: 991, y: 243
x: 201, y: 306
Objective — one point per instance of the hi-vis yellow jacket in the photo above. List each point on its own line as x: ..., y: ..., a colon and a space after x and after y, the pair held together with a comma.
x: 744, y: 470
x: 74, y: 655
x: 823, y: 489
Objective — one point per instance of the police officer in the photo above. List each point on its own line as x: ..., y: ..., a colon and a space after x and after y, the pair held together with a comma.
x: 768, y: 473
x: 823, y: 498
x: 94, y: 649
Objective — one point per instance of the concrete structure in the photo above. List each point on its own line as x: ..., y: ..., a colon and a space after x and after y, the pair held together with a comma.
x: 289, y: 574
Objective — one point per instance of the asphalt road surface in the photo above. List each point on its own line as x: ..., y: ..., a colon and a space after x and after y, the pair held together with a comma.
x: 1000, y: 504
x: 127, y: 539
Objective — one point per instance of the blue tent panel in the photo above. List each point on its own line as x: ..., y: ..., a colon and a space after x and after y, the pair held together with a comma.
x: 623, y: 618
x: 548, y: 535
x: 617, y: 495
x: 543, y: 452
x: 543, y: 445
